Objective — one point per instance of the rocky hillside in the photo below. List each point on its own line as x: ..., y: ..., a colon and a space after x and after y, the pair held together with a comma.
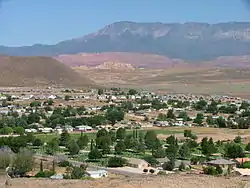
x: 189, y: 41
x: 38, y: 71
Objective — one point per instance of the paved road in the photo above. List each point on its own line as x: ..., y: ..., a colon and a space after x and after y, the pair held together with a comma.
x: 120, y: 171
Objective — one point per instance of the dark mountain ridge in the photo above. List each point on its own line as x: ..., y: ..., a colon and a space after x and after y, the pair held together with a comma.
x: 189, y: 41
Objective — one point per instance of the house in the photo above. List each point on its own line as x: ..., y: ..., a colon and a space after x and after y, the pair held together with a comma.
x: 83, y: 128
x: 68, y: 128
x: 58, y: 129
x: 226, y: 165
x: 46, y: 130
x: 30, y: 130
x: 137, y: 163
x: 240, y: 161
x: 97, y: 173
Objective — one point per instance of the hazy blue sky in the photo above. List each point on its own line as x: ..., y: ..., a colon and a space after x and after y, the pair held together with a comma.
x: 26, y: 22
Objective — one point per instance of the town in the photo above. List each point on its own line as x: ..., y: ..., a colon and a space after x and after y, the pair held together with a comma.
x: 78, y: 134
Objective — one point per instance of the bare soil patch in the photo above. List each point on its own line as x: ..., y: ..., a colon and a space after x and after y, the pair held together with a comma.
x: 170, y: 181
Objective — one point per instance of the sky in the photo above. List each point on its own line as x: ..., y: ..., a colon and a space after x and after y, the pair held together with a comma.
x: 28, y: 22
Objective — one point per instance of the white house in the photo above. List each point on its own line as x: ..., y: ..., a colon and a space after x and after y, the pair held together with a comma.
x: 68, y: 128
x: 30, y: 130
x: 58, y: 129
x: 97, y: 174
x: 83, y: 128
x: 46, y: 130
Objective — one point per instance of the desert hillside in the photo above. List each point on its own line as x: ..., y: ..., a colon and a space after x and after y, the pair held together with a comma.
x: 139, y: 60
x: 33, y: 71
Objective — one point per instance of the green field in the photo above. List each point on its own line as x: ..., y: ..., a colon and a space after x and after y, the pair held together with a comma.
x: 92, y: 135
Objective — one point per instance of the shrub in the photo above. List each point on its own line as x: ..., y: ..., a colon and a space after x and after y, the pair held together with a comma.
x: 151, y: 160
x: 152, y: 171
x: 219, y: 170
x: 145, y: 170
x: 44, y: 174
x: 182, y: 166
x: 77, y: 173
x: 246, y: 165
x: 196, y: 160
x: 210, y: 170
x: 116, y: 162
x: 169, y: 165
x: 64, y: 164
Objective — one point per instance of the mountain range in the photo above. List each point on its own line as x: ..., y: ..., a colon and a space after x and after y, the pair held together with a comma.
x: 188, y: 41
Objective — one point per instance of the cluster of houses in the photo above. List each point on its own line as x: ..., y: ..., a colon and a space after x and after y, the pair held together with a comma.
x: 58, y: 129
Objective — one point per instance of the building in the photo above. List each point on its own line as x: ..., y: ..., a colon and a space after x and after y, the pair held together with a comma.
x: 137, y: 163
x: 97, y: 174
x: 83, y: 128
x: 226, y: 165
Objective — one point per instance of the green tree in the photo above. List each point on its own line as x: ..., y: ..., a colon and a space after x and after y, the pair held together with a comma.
x: 113, y: 115
x: 116, y: 162
x: 170, y: 165
x: 170, y: 114
x: 6, y: 130
x: 35, y: 104
x: 132, y: 92
x: 187, y: 133
x: 102, y: 132
x: 23, y: 162
x: 104, y: 143
x: 221, y: 122
x: 64, y: 138
x: 120, y: 147
x: 200, y: 105
x: 162, y: 117
x: 67, y: 97
x: 100, y: 92
x: 184, y: 151
x: 19, y: 130
x: 83, y: 141
x: 207, y: 146
x: 210, y: 120
x: 247, y: 148
x: 233, y: 150
x: 52, y: 147
x: 184, y: 116
x: 172, y: 151
x: 237, y: 139
x: 171, y: 140
x: 73, y: 147
x: 150, y: 139
x: 77, y: 173
x: 129, y: 142
x: 199, y: 119
x: 37, y: 142
x: 158, y: 152
x: 120, y: 133
x: 94, y: 154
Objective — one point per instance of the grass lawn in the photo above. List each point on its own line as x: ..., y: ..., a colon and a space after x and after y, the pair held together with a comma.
x: 92, y: 135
